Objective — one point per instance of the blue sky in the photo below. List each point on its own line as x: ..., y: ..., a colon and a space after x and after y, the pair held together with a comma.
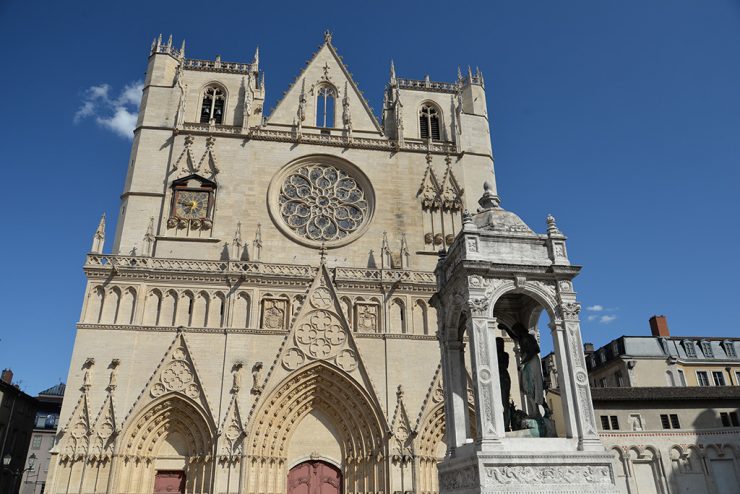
x: 622, y: 119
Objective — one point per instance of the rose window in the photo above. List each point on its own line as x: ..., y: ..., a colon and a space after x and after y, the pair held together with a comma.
x: 322, y: 203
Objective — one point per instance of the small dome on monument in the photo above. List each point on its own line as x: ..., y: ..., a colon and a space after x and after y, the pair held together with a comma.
x: 491, y: 216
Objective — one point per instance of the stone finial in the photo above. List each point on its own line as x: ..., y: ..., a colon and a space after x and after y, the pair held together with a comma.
x: 399, y: 392
x: 459, y: 74
x: 552, y: 227
x: 327, y: 37
x: 301, y: 113
x: 257, y: 243
x: 236, y: 243
x: 182, y: 49
x: 149, y: 238
x: 99, y: 237
x: 256, y: 59
x: 393, y: 73
x: 488, y: 200
x: 470, y: 74
x: 169, y: 42
x: 467, y: 218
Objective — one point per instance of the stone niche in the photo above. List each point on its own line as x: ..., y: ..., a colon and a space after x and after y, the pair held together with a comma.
x: 498, y: 278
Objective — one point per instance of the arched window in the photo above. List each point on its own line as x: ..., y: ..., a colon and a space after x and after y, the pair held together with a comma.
x: 213, y: 105
x: 325, y: 107
x: 429, y: 123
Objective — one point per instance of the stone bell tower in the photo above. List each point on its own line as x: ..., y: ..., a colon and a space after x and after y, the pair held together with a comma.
x: 498, y: 278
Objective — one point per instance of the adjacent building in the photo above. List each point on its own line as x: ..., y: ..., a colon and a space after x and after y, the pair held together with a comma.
x: 668, y: 407
x: 17, y: 414
x: 42, y: 440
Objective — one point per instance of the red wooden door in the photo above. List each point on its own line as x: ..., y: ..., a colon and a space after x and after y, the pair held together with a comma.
x: 314, y: 477
x: 169, y: 482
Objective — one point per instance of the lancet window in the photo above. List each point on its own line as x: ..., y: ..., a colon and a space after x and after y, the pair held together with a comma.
x: 212, y: 107
x: 429, y: 123
x: 325, y: 104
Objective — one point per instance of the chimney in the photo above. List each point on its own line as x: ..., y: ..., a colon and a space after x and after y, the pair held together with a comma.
x: 659, y: 327
x: 7, y: 376
x: 588, y: 348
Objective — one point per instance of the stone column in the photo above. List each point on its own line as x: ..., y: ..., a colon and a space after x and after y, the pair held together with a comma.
x: 484, y: 361
x: 557, y: 331
x: 585, y: 420
x: 456, y: 400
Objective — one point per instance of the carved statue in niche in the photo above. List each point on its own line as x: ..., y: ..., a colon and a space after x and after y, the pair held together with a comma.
x: 256, y: 378
x: 504, y: 381
x: 536, y: 416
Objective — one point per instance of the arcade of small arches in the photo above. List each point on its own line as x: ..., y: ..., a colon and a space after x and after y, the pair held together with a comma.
x: 208, y: 309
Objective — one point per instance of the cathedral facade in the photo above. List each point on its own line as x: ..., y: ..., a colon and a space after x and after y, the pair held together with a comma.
x: 262, y: 323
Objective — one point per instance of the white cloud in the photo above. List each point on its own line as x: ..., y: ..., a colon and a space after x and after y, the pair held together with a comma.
x: 606, y: 319
x: 595, y: 308
x: 115, y: 114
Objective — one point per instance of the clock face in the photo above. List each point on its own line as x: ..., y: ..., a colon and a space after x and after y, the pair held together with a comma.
x: 191, y: 205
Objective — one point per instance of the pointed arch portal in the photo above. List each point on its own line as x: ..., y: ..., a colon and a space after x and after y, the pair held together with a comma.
x: 351, y: 412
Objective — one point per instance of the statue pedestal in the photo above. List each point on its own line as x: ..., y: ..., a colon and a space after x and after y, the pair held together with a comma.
x: 527, y: 471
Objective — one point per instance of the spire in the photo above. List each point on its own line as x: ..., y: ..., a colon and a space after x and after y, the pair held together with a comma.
x: 470, y: 74
x: 385, y: 251
x: 459, y: 74
x: 236, y: 244
x: 405, y: 255
x: 169, y: 42
x: 393, y: 73
x: 99, y: 237
x: 159, y: 41
x: 256, y: 59
x: 182, y: 49
x: 154, y: 45
x: 552, y: 227
x: 257, y: 242
x: 149, y: 238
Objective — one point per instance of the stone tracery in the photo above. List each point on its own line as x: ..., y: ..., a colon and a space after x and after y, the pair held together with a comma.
x: 322, y: 203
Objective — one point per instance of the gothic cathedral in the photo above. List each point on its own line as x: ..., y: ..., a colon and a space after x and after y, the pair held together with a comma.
x: 263, y: 324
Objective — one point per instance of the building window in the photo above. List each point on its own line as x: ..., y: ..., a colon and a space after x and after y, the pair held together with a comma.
x: 729, y: 419
x: 213, y: 105
x: 681, y: 378
x: 730, y: 349
x: 702, y: 378
x: 609, y: 422
x: 40, y: 420
x: 619, y: 379
x: 690, y: 349
x: 706, y: 348
x: 670, y: 421
x: 429, y: 123
x: 36, y: 442
x: 670, y: 379
x: 325, y: 103
x: 719, y: 378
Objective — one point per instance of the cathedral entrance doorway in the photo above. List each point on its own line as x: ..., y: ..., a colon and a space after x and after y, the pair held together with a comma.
x: 314, y: 477
x: 169, y: 482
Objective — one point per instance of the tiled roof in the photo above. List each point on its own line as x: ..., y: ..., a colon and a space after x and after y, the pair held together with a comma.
x: 57, y: 390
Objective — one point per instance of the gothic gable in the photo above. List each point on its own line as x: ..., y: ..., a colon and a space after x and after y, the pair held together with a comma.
x: 76, y: 433
x: 325, y: 69
x: 175, y: 374
x: 320, y: 332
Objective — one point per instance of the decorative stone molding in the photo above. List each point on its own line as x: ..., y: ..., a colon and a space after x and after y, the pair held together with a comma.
x: 547, y: 475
